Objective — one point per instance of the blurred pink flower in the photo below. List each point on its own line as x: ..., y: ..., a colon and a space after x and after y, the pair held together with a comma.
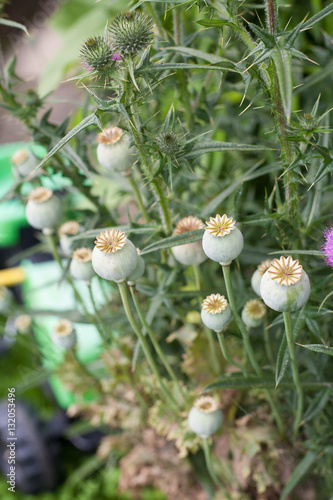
x: 327, y: 247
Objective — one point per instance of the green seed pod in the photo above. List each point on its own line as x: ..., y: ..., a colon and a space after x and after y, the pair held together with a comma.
x: 43, y: 209
x: 253, y: 313
x: 258, y: 274
x: 114, y: 257
x: 205, y: 417
x: 24, y: 163
x: 113, y: 151
x: 138, y: 271
x: 222, y: 241
x: 216, y: 312
x: 64, y: 335
x: 190, y: 253
x: 65, y: 232
x: 285, y: 286
x: 131, y: 33
x: 81, y: 266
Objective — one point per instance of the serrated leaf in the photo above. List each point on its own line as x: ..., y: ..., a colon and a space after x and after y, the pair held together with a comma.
x: 298, y: 473
x: 172, y: 241
x: 86, y: 122
x: 324, y: 349
x: 317, y: 17
x: 267, y: 38
x: 219, y: 23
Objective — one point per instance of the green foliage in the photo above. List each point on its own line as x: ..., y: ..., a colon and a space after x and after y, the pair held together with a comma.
x: 223, y: 110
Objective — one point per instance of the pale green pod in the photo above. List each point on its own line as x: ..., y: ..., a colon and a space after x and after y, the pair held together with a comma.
x: 189, y: 254
x: 205, y: 418
x: 280, y: 296
x: 138, y: 271
x: 24, y: 162
x: 81, y: 265
x: 43, y: 209
x: 113, y: 149
x: 66, y: 232
x: 258, y: 274
x: 253, y: 313
x: 222, y: 240
x: 64, y: 335
x: 114, y: 257
x: 216, y: 313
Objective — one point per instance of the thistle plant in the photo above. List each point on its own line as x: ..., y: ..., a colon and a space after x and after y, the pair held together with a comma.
x: 206, y: 113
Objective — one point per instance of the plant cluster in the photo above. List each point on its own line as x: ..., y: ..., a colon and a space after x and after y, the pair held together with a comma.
x: 203, y: 158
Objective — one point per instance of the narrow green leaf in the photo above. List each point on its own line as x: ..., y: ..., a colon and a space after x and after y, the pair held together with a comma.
x: 317, y: 17
x: 173, y: 241
x: 317, y: 404
x: 212, y: 58
x: 226, y: 66
x: 14, y: 24
x: 282, y: 62
x: 263, y: 383
x: 213, y: 146
x: 316, y: 253
x: 282, y: 361
x: 318, y: 348
x: 298, y: 473
x: 86, y: 122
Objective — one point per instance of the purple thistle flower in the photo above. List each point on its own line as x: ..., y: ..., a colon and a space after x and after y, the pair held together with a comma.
x: 116, y: 57
x: 327, y: 248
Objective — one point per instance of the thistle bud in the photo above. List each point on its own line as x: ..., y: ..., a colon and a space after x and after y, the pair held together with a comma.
x: 258, y: 274
x: 64, y: 335
x: 205, y: 417
x: 138, y: 271
x: 189, y: 253
x: 113, y: 151
x: 114, y: 257
x: 81, y: 265
x: 216, y: 312
x: 130, y: 33
x: 168, y: 143
x: 96, y: 55
x: 24, y: 162
x: 43, y: 209
x: 222, y: 240
x: 65, y: 232
x: 285, y: 286
x: 253, y: 313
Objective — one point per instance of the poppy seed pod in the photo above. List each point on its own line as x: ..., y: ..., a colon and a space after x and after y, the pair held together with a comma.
x: 43, y: 209
x: 222, y: 241
x: 189, y: 253
x: 64, y: 334
x: 81, y: 267
x: 205, y: 417
x: 113, y: 151
x: 285, y: 286
x: 216, y: 312
x: 253, y: 313
x: 258, y: 274
x: 138, y: 271
x: 114, y: 257
x: 66, y: 231
x: 24, y: 162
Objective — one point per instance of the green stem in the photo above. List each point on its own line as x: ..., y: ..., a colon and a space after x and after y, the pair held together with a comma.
x: 101, y: 324
x: 124, y: 297
x: 210, y: 468
x: 294, y: 367
x: 247, y: 345
x: 209, y: 334
x: 267, y: 341
x: 156, y: 345
x: 53, y: 247
x: 84, y: 369
x: 138, y: 197
x: 225, y: 353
